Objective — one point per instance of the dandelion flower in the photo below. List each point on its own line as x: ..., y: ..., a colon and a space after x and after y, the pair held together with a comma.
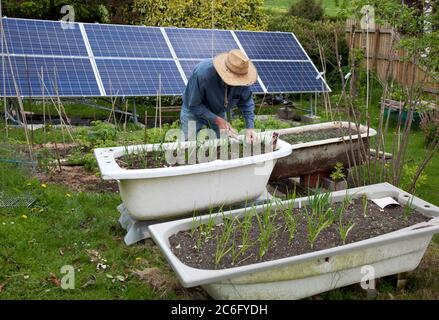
x: 24, y: 216
x: 43, y: 185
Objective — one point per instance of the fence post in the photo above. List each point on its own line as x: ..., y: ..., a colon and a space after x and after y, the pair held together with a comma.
x: 376, y: 48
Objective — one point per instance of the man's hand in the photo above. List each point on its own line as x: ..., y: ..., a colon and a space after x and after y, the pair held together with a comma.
x: 224, y: 125
x: 250, y: 135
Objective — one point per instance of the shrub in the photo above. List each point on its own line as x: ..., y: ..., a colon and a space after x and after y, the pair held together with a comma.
x: 430, y: 126
x: 238, y: 14
x: 309, y: 9
x: 101, y: 131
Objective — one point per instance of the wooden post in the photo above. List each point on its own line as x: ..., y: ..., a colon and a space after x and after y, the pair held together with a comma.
x: 376, y: 48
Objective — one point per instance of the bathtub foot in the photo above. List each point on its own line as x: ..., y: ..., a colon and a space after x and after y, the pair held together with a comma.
x: 136, y: 230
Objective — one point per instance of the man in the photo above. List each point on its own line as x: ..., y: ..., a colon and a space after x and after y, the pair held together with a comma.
x: 215, y: 86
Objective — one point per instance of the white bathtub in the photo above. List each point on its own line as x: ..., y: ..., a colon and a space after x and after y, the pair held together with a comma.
x: 154, y: 194
x: 321, y: 155
x: 315, y: 272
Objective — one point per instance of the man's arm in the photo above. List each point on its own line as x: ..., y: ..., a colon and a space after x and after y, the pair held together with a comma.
x: 247, y: 107
x: 195, y: 101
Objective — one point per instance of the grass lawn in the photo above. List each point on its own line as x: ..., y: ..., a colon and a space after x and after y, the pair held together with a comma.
x: 77, y: 229
x: 279, y: 6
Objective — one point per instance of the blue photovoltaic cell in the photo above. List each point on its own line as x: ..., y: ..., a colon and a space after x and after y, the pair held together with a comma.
x: 43, y: 38
x: 197, y: 43
x: 131, y: 58
x: 270, y: 46
x: 189, y: 65
x: 62, y: 76
x: 280, y: 77
x: 127, y: 41
x: 140, y: 77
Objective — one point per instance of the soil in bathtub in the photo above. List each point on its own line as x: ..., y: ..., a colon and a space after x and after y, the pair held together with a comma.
x: 274, y: 234
x: 316, y: 135
x: 157, y: 158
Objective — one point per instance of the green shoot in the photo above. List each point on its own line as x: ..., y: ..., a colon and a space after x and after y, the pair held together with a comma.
x: 223, y: 239
x: 194, y: 223
x: 343, y: 229
x: 266, y: 228
x: 314, y: 229
x: 408, y: 208
x: 320, y: 215
x: 245, y: 226
x: 364, y: 202
x: 289, y: 219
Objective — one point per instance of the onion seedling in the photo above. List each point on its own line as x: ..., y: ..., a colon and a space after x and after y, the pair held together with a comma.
x: 319, y: 215
x: 223, y: 239
x: 315, y: 227
x: 245, y: 226
x: 408, y: 209
x: 344, y: 230
x: 364, y: 202
x: 266, y: 228
x: 289, y: 219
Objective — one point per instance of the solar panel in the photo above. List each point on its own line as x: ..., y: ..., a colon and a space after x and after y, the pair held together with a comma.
x: 100, y: 60
x: 281, y: 77
x: 140, y: 77
x: 127, y: 41
x: 197, y: 43
x: 62, y: 76
x: 270, y: 46
x: 38, y: 37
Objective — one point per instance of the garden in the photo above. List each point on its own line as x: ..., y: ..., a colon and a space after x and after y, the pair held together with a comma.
x: 103, y: 198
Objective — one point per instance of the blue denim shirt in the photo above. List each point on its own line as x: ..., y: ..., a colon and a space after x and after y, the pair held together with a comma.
x: 205, y: 91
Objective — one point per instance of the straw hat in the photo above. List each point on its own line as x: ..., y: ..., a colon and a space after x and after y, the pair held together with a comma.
x: 235, y: 68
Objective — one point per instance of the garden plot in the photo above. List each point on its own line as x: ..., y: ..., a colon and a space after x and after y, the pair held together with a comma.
x: 310, y: 245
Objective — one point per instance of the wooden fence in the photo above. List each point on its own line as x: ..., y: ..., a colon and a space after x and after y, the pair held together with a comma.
x: 380, y: 57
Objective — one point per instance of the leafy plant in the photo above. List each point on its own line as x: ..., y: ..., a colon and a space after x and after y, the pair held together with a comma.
x: 338, y: 173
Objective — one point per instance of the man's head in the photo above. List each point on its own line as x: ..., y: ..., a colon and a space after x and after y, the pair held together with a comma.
x: 235, y: 68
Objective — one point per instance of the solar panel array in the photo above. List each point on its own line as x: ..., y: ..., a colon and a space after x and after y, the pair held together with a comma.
x: 82, y: 59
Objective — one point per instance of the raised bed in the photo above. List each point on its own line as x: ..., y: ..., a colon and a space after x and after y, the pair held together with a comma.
x: 160, y: 193
x: 316, y: 150
x: 312, y: 272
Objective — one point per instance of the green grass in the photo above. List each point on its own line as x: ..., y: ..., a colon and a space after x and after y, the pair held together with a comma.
x: 58, y: 231
x: 281, y: 6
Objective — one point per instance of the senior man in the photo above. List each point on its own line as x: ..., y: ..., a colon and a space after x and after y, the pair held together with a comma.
x: 215, y: 86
